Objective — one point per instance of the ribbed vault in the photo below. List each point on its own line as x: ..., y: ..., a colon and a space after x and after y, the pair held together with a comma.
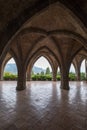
x: 55, y: 31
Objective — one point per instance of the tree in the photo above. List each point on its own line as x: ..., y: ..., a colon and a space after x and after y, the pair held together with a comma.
x: 42, y: 73
x: 47, y: 70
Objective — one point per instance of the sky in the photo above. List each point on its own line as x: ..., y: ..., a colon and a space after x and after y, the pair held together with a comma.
x: 43, y: 63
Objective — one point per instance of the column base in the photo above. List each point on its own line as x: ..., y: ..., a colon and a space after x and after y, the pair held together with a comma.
x: 54, y: 80
x: 19, y: 88
x: 78, y: 79
x: 64, y: 87
x: 29, y: 79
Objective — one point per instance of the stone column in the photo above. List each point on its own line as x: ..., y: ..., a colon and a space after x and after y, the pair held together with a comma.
x: 78, y: 73
x: 54, y: 74
x: 64, y: 78
x: 29, y: 73
x: 86, y: 69
x: 21, y: 83
x: 28, y: 76
x: 1, y: 73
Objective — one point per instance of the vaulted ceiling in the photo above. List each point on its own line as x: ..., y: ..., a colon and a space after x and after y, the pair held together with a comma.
x: 16, y: 15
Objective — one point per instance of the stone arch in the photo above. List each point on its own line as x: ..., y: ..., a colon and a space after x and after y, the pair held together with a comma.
x: 77, y: 61
x: 36, y: 57
x: 84, y: 58
x: 73, y: 66
x: 58, y: 78
x: 43, y: 50
x: 21, y: 21
x: 72, y: 73
x: 8, y: 56
x: 79, y: 36
x: 13, y: 68
x: 58, y: 32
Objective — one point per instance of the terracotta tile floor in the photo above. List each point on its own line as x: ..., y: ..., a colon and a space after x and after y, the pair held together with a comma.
x: 43, y: 106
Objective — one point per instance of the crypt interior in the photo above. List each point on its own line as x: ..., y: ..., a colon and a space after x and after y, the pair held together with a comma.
x: 57, y: 30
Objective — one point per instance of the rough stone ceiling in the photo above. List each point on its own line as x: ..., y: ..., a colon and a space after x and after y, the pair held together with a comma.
x: 11, y: 9
x: 14, y: 13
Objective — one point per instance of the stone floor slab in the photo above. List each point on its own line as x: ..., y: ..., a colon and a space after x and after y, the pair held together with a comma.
x: 43, y: 106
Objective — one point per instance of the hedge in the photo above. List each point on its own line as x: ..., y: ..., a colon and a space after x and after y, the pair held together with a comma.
x: 43, y: 77
x: 9, y: 76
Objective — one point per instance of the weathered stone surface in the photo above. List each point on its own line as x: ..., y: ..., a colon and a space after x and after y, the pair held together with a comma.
x: 55, y: 32
x: 43, y: 106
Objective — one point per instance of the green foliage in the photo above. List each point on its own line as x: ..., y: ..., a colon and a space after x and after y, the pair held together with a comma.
x: 83, y: 76
x: 72, y: 76
x: 58, y: 77
x: 9, y: 76
x: 48, y: 70
x: 48, y: 77
x: 42, y: 73
x: 41, y: 77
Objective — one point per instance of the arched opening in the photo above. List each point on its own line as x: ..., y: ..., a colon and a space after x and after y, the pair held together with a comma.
x: 72, y: 73
x: 83, y: 70
x: 41, y: 70
x: 10, y: 71
x: 58, y: 76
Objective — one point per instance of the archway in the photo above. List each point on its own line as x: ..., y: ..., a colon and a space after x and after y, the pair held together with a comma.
x: 10, y: 71
x: 58, y: 76
x: 41, y: 69
x: 30, y: 37
x: 72, y: 73
x: 83, y: 72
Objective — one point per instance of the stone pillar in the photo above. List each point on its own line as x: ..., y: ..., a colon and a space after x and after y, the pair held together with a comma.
x: 86, y: 69
x: 54, y: 74
x: 29, y: 73
x: 64, y: 78
x: 21, y: 83
x: 28, y: 76
x: 78, y: 73
x: 1, y: 74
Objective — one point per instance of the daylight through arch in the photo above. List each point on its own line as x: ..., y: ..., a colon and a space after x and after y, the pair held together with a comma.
x: 10, y: 71
x: 41, y: 69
